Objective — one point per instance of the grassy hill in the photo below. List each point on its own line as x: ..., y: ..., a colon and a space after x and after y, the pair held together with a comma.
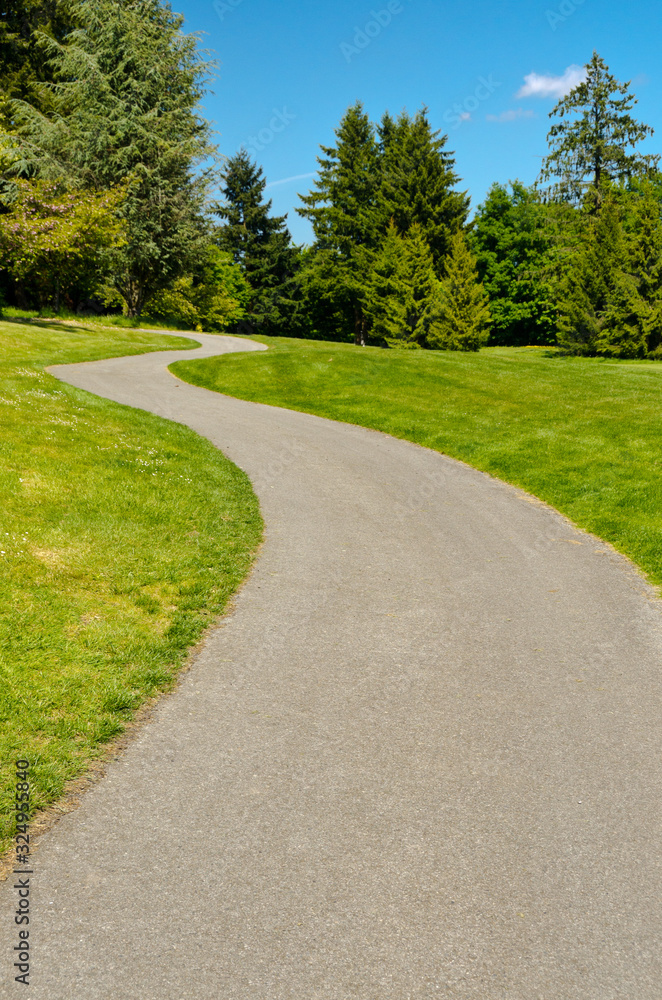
x: 583, y: 435
x: 122, y: 536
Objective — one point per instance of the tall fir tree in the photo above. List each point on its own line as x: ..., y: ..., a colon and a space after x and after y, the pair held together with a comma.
x: 261, y: 244
x: 341, y: 210
x: 460, y: 313
x: 417, y: 181
x: 595, y: 142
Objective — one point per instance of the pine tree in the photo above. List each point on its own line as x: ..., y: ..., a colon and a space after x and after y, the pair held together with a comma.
x: 400, y: 289
x: 385, y: 291
x: 260, y: 243
x: 593, y: 284
x: 341, y: 210
x: 591, y: 143
x: 645, y: 263
x: 459, y: 317
x: 416, y: 181
x: 621, y: 329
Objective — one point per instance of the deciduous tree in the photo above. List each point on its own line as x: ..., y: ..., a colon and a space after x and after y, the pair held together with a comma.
x: 513, y: 245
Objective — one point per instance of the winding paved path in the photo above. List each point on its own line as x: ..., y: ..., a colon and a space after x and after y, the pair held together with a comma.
x: 421, y: 758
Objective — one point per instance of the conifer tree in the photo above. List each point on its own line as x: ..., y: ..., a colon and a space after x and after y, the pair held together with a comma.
x: 260, y: 243
x: 459, y: 317
x: 126, y: 113
x: 341, y: 210
x: 593, y: 283
x: 400, y: 288
x: 596, y: 138
x: 645, y: 263
x: 385, y: 290
x: 416, y: 182
x: 22, y: 64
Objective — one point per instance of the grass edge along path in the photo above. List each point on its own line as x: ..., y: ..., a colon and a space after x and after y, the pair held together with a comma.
x: 582, y: 435
x: 122, y: 538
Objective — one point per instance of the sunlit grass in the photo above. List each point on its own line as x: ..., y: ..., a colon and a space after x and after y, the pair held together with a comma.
x: 121, y: 538
x: 583, y: 435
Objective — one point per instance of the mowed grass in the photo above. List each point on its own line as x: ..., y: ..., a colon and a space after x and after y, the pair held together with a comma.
x: 122, y: 536
x: 583, y: 435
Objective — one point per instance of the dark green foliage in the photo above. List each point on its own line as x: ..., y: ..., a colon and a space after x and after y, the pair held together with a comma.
x: 460, y: 314
x: 592, y: 285
x: 341, y: 209
x: 399, y: 172
x: 610, y: 298
x: 126, y: 113
x: 596, y: 139
x: 513, y: 245
x: 261, y: 245
x: 22, y: 64
x: 645, y: 262
x: 416, y: 181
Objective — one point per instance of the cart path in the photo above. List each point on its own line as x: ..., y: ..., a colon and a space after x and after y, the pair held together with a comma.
x: 420, y: 758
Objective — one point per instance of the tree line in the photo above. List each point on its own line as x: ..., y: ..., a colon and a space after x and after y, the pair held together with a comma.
x: 113, y: 196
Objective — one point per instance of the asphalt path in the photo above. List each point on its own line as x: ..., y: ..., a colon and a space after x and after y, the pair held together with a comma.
x: 420, y: 757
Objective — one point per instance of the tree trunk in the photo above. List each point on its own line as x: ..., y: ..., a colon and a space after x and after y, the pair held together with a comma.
x: 134, y: 295
x: 21, y: 297
x: 56, y: 295
x: 359, y: 327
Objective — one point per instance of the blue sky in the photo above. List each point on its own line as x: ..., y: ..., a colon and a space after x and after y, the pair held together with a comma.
x: 488, y: 71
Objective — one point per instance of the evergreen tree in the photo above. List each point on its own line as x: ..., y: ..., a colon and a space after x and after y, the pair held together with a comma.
x: 260, y: 243
x: 341, y: 210
x: 460, y: 314
x: 385, y: 291
x: 593, y: 284
x: 645, y: 263
x: 400, y: 289
x: 512, y: 243
x: 416, y: 181
x: 620, y: 329
x: 596, y: 139
x: 126, y: 112
x: 22, y: 64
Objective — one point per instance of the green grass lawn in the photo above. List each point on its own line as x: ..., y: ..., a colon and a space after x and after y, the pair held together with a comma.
x: 74, y: 319
x: 583, y: 435
x: 122, y: 536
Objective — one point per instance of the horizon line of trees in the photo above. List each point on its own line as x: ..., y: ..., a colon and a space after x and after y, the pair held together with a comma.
x: 574, y: 260
x: 107, y: 201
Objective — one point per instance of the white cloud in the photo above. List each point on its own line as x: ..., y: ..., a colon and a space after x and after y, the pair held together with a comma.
x: 289, y: 180
x: 512, y: 115
x: 538, y: 85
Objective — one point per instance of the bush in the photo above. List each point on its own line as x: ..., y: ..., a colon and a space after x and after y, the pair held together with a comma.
x: 212, y: 300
